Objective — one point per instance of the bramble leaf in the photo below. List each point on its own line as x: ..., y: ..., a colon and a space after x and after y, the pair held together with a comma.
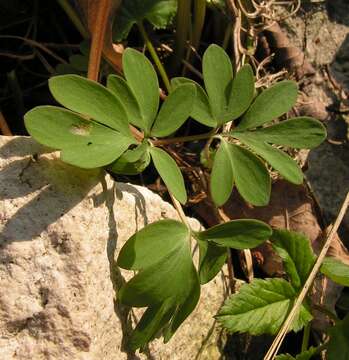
x: 83, y: 143
x: 170, y: 173
x: 336, y: 270
x: 167, y: 282
x: 91, y: 99
x: 296, y: 253
x: 305, y: 355
x: 270, y: 104
x: 338, y: 346
x: 237, y: 234
x: 174, y: 111
x: 158, y: 12
x: 201, y: 111
x: 143, y: 82
x: 261, y: 307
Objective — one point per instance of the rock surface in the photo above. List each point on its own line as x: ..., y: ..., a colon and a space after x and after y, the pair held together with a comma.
x: 61, y: 228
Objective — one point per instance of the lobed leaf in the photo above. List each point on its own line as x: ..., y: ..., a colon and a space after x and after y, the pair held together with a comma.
x: 270, y: 104
x: 305, y: 355
x: 91, y: 99
x: 336, y: 270
x: 174, y: 111
x: 237, y: 234
x: 296, y: 253
x: 170, y: 173
x: 84, y: 143
x: 261, y: 307
x: 143, y: 82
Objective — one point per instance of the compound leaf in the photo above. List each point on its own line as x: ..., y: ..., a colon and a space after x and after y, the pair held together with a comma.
x: 270, y: 104
x: 91, y: 99
x: 218, y: 74
x: 336, y: 270
x: 261, y: 307
x: 118, y: 86
x: 222, y: 177
x: 83, y: 143
x: 338, y: 346
x: 174, y: 111
x: 201, y: 111
x: 143, y: 82
x: 296, y: 253
x: 170, y: 173
x: 158, y: 12
x: 251, y: 176
x: 237, y: 234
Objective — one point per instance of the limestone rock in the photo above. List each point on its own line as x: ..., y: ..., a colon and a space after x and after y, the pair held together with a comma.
x: 61, y: 229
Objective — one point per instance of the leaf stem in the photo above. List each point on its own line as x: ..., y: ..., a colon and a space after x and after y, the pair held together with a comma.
x: 199, y: 19
x: 182, y: 139
x: 179, y: 210
x: 306, y: 335
x: 155, y: 57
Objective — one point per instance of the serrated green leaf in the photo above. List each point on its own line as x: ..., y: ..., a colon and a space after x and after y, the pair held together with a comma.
x: 338, y: 346
x: 201, y: 111
x: 280, y: 161
x: 170, y: 173
x: 251, y: 176
x: 212, y: 258
x: 132, y: 162
x: 237, y: 234
x: 336, y: 270
x: 222, y: 177
x: 143, y: 82
x: 158, y: 12
x: 91, y: 99
x: 218, y: 74
x: 174, y: 111
x: 301, y: 132
x: 261, y: 307
x: 84, y: 143
x: 296, y: 253
x: 167, y: 282
x: 242, y: 93
x: 305, y: 355
x: 270, y: 104
x: 118, y: 86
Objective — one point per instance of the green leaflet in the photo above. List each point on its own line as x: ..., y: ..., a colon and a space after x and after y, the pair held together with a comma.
x: 237, y: 234
x: 201, y: 111
x: 305, y: 355
x: 118, y: 86
x: 270, y: 104
x: 170, y: 173
x: 338, y: 346
x: 296, y: 253
x: 261, y: 307
x: 84, y: 143
x: 76, y: 93
x: 336, y: 270
x: 174, y: 111
x: 218, y: 73
x: 212, y: 258
x: 132, y: 162
x: 167, y: 282
x: 222, y: 176
x: 143, y: 82
x: 159, y: 13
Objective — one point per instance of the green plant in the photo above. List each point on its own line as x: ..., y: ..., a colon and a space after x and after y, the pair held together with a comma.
x: 97, y: 131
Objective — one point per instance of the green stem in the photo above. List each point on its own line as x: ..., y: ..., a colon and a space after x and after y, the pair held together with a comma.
x: 182, y: 31
x: 227, y: 35
x: 199, y: 19
x: 155, y: 57
x: 306, y: 335
x: 182, y: 139
x: 69, y: 10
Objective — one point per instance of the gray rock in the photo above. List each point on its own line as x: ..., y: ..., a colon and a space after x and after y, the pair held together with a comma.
x: 61, y: 229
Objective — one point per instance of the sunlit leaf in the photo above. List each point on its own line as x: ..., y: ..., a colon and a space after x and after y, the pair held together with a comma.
x: 336, y: 270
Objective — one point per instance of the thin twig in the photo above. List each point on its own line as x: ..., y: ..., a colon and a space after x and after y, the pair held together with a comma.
x: 273, y: 350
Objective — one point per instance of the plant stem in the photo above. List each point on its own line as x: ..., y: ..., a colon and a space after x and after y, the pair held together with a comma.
x: 306, y: 335
x: 182, y: 139
x: 199, y: 19
x: 155, y: 57
x: 182, y: 30
x: 69, y: 10
x: 180, y: 211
